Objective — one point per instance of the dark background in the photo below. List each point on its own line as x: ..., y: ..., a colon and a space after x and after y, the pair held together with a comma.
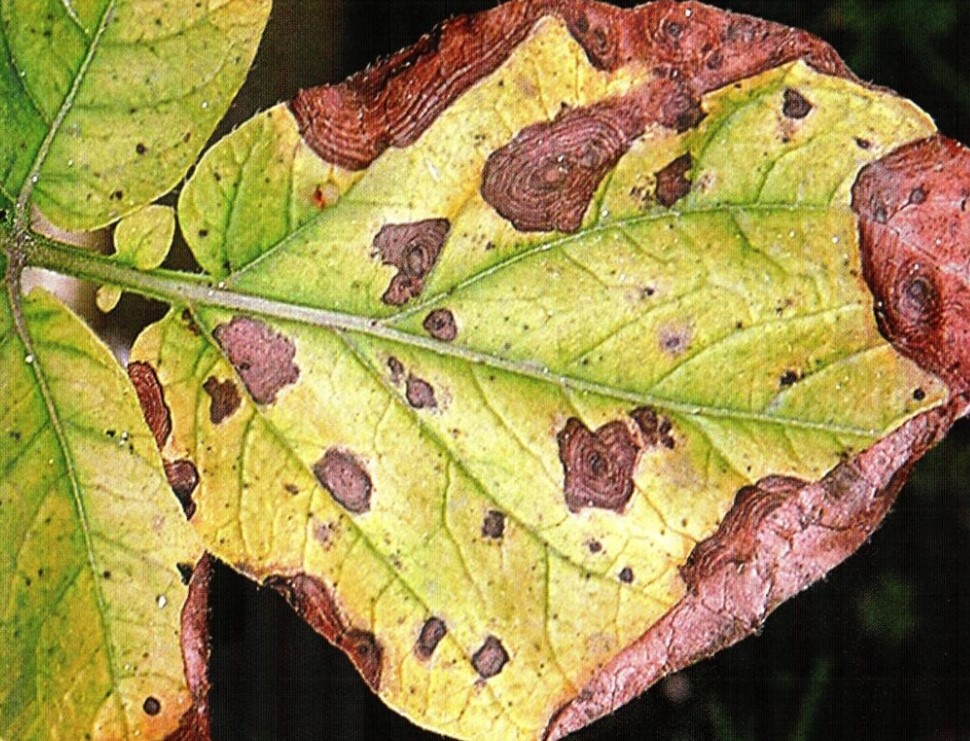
x: 879, y: 650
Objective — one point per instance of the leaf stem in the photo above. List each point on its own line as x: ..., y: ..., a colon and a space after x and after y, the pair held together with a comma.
x: 190, y: 290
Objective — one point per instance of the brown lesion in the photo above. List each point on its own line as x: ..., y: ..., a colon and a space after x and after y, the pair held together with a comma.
x: 915, y: 244
x: 344, y: 475
x: 490, y: 658
x: 152, y: 400
x: 395, y: 100
x: 672, y: 181
x: 414, y: 250
x: 780, y: 535
x: 598, y: 466
x: 183, y: 477
x: 544, y: 179
x: 262, y: 357
x: 315, y: 603
x: 432, y: 633
x: 224, y: 398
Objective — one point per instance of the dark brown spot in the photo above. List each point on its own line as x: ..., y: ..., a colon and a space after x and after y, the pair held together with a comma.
x: 672, y: 181
x: 140, y: 148
x: 493, y: 526
x: 345, y: 477
x: 396, y: 368
x: 152, y: 401
x: 626, y: 575
x: 863, y: 143
x: 795, y: 105
x: 433, y: 630
x: 543, y: 180
x: 151, y: 706
x: 183, y: 477
x: 315, y: 603
x: 490, y: 659
x: 654, y: 429
x: 919, y: 394
x: 366, y: 653
x: 185, y: 572
x: 117, y: 195
x: 224, y: 396
x: 440, y: 324
x: 291, y: 489
x: 917, y: 196
x: 413, y: 249
x: 262, y: 357
x: 594, y: 546
x: 598, y: 466
x: 420, y: 393
x: 789, y: 378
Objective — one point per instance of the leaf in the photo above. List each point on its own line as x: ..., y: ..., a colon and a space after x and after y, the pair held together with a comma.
x: 157, y: 76
x: 90, y: 579
x: 556, y: 372
x: 142, y: 240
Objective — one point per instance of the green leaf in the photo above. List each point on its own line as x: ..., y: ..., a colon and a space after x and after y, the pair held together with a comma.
x: 104, y: 105
x: 476, y: 444
x: 90, y: 585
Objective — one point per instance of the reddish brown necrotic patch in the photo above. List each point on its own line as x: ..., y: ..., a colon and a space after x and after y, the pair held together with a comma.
x: 316, y: 604
x: 420, y: 393
x: 598, y: 465
x: 152, y: 401
x: 262, y: 357
x: 194, y: 722
x: 915, y: 241
x: 345, y: 477
x: 795, y: 105
x: 224, y: 398
x: 544, y: 179
x: 413, y: 249
x: 183, y: 477
x: 672, y: 181
x: 433, y: 630
x: 491, y: 658
x: 693, y: 47
x: 780, y: 536
x: 440, y: 324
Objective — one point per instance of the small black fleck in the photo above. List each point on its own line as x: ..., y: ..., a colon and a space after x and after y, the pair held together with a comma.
x: 919, y: 394
x: 203, y: 232
x: 106, y: 574
x: 117, y: 195
x: 151, y: 706
x: 140, y: 148
x: 594, y: 546
x: 626, y: 575
x: 863, y: 143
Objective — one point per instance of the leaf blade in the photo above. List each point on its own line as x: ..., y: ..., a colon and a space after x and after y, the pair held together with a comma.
x: 91, y: 594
